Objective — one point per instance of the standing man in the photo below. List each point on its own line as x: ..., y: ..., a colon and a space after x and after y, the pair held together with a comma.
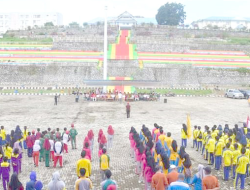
x: 128, y: 110
x: 227, y: 158
x: 55, y: 100
x: 83, y: 163
x: 73, y: 132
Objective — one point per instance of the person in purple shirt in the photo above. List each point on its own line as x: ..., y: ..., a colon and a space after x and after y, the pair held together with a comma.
x: 5, y: 172
x: 15, y: 160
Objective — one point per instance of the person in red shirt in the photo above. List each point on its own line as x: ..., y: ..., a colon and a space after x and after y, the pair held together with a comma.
x: 159, y: 180
x: 29, y: 145
x: 209, y: 182
x: 173, y: 175
x: 128, y: 110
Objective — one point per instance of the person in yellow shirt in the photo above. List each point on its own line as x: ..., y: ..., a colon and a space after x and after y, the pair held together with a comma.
x: 7, y: 151
x: 174, y: 156
x: 184, y: 135
x: 162, y: 138
x: 104, y: 163
x: 195, y: 133
x: 227, y: 157
x: 3, y: 135
x: 214, y: 132
x: 218, y: 153
x: 210, y: 150
x: 241, y: 168
x: 169, y: 140
x: 206, y: 144
x: 164, y: 163
x: 236, y: 154
x: 83, y: 163
x: 199, y: 139
x: 204, y: 136
x: 25, y: 134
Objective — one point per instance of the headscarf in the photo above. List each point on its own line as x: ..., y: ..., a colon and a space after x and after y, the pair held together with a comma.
x: 182, y: 152
x: 17, y: 145
x: 56, y: 183
x: 30, y: 185
x: 90, y: 134
x: 103, y: 139
x: 86, y: 140
x: 200, y: 174
x: 110, y: 130
x: 158, y: 147
x: 72, y: 125
x: 100, y: 134
x: 187, y: 163
x: 46, y: 144
x: 14, y: 182
x: 37, y: 184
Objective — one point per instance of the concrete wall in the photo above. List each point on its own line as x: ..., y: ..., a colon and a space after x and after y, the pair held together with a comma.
x: 75, y: 73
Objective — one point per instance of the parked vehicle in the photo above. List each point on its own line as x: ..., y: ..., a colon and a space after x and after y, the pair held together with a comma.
x: 246, y: 93
x: 233, y: 93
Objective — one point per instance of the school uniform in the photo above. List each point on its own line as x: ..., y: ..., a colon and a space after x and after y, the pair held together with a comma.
x: 236, y: 154
x: 218, y: 154
x: 104, y: 164
x: 195, y: 136
x: 227, y: 156
x: 211, y: 148
x: 174, y: 157
x: 199, y: 140
x: 242, y: 162
x: 5, y: 174
x: 183, y: 138
x: 15, y: 162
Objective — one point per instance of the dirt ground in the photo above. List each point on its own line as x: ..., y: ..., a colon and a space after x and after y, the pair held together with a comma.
x: 39, y: 111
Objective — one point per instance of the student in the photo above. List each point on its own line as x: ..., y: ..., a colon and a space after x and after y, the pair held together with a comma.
x: 159, y: 180
x: 5, y: 167
x: 110, y: 136
x: 197, y: 179
x: 209, y: 181
x: 3, y: 135
x: 218, y: 153
x: 51, y: 141
x: 66, y: 139
x: 149, y: 172
x: 1, y: 159
x: 34, y: 184
x: 17, y: 146
x: 7, y: 151
x: 100, y: 133
x: 199, y: 139
x: 184, y: 135
x: 180, y: 184
x: 25, y: 134
x: 15, y: 160
x: 169, y: 139
x: 58, y: 151
x: 241, y: 168
x: 164, y: 163
x: 41, y: 152
x: 187, y: 168
x: 195, y: 136
x: 100, y: 150
x: 15, y: 184
x: 174, y: 154
x: 87, y: 150
x: 58, y: 134
x: 36, y: 149
x: 83, y: 163
x: 29, y: 144
x: 128, y: 109
x: 236, y: 154
x: 91, y: 139
x: 108, y: 184
x: 38, y: 134
x: 104, y: 163
x: 83, y: 183
x: 73, y: 133
x: 56, y: 183
x: 47, y: 148
x: 138, y: 154
x: 227, y: 161
x: 210, y: 150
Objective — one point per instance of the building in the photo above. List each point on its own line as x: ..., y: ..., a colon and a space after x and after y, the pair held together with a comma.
x: 21, y: 21
x: 223, y: 22
x: 125, y: 20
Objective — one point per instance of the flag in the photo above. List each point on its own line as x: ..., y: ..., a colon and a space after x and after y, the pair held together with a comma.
x: 248, y: 121
x: 189, y: 131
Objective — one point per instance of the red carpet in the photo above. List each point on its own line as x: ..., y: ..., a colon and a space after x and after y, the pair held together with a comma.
x: 122, y: 49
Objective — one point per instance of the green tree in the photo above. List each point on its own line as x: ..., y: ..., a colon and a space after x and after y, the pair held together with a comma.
x: 74, y: 25
x: 48, y: 24
x: 171, y: 14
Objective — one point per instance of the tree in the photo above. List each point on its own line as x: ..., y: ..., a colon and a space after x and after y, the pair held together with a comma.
x: 73, y: 25
x: 171, y: 14
x: 48, y: 24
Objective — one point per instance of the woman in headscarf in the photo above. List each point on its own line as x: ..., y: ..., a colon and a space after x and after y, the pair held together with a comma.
x: 100, y: 135
x: 110, y: 136
x: 15, y: 184
x: 91, y: 139
x: 87, y: 150
x: 164, y: 163
x: 17, y: 145
x: 174, y: 156
x: 103, y: 140
x: 46, y: 146
x: 56, y: 183
x: 34, y: 184
x: 187, y: 168
x: 197, y: 179
x: 182, y: 152
x: 184, y: 134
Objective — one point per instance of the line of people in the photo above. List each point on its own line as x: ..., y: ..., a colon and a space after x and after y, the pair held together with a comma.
x: 161, y: 165
x: 226, y: 149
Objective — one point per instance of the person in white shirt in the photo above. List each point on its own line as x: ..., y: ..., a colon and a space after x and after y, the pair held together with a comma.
x: 58, y: 153
x: 36, y: 148
x: 65, y: 141
x: 51, y: 141
x: 120, y: 97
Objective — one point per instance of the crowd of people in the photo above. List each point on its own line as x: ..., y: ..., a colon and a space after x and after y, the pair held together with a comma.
x: 161, y: 165
x: 48, y: 146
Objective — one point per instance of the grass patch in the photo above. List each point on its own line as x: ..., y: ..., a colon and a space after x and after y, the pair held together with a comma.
x: 239, y: 41
x: 33, y: 91
x: 15, y: 40
x: 176, y: 91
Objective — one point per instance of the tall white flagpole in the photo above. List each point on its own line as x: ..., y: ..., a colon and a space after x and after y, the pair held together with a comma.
x: 105, y: 66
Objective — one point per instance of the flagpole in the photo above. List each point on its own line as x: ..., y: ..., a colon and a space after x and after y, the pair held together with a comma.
x: 105, y: 67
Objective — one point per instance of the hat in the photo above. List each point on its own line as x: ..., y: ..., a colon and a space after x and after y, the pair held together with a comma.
x: 172, y: 167
x: 207, y: 169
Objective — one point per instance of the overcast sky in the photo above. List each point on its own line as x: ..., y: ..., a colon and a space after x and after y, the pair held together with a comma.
x: 85, y: 10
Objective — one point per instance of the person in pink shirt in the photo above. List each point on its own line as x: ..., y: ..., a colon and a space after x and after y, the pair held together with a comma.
x: 91, y: 139
x: 100, y: 150
x: 131, y: 139
x: 103, y: 140
x: 87, y: 150
x: 100, y: 135
x: 33, y: 137
x: 29, y: 145
x: 138, y: 154
x: 38, y: 134
x: 86, y: 140
x: 149, y: 172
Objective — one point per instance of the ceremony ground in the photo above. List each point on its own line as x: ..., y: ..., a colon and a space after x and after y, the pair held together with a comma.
x: 40, y: 112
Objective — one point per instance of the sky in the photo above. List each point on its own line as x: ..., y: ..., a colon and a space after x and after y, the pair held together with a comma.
x: 86, y: 10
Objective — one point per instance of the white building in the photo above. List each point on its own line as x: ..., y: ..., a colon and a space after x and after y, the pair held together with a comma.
x: 223, y: 22
x: 21, y: 21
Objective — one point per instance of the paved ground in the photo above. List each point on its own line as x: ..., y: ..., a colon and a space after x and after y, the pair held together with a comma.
x: 39, y: 111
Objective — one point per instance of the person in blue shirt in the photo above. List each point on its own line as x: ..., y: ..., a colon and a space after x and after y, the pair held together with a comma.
x: 197, y: 179
x: 179, y: 185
